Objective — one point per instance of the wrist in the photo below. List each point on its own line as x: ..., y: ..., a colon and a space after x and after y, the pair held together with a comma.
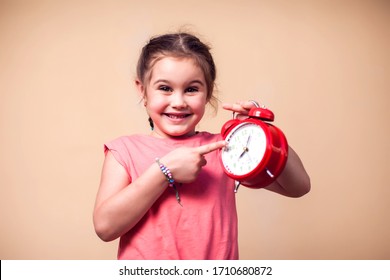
x: 167, y: 173
x: 169, y: 177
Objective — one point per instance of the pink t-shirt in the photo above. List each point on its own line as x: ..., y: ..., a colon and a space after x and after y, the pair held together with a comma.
x: 204, y: 228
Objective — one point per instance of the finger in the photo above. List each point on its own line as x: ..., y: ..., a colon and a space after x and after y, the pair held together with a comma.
x: 250, y: 104
x: 233, y: 106
x: 208, y: 148
x: 241, y: 107
x: 237, y: 108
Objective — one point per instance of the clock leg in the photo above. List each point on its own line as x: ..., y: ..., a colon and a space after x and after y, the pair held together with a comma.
x: 237, y: 184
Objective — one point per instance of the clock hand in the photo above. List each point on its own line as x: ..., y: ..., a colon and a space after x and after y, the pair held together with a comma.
x: 247, y: 141
x: 246, y: 147
x: 245, y: 150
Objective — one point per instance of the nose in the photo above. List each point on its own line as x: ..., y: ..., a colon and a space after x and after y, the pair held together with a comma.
x: 178, y: 100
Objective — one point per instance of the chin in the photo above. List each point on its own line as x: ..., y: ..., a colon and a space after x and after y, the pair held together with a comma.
x: 181, y: 134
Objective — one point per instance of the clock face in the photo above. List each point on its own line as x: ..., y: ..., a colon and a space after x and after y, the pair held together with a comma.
x: 245, y: 149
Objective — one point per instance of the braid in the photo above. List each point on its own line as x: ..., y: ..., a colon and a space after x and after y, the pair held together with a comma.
x: 151, y: 123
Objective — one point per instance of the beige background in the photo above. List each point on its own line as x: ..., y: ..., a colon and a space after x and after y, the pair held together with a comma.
x: 66, y: 87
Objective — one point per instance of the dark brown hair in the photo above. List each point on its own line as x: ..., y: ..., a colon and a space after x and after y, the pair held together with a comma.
x: 181, y: 45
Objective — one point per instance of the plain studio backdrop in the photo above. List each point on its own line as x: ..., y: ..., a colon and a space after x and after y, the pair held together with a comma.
x: 66, y: 87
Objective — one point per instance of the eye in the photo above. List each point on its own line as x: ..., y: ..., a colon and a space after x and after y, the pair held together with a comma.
x: 165, y: 88
x: 192, y: 89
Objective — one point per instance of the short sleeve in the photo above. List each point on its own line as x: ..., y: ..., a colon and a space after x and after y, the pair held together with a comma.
x: 120, y: 152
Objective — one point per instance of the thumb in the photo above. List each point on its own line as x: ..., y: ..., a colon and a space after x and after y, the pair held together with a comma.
x: 208, y: 148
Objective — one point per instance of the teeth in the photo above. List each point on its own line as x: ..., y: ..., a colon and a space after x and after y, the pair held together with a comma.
x: 177, y: 116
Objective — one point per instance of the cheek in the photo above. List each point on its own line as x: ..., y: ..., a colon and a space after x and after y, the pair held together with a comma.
x: 200, y: 106
x: 152, y: 108
x: 154, y: 103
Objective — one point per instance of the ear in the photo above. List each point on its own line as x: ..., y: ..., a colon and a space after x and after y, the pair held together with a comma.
x: 141, y: 90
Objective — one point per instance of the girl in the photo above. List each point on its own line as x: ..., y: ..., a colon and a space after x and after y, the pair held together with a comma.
x: 165, y: 194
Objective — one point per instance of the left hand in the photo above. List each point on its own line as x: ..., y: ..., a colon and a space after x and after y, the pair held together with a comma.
x: 241, y: 108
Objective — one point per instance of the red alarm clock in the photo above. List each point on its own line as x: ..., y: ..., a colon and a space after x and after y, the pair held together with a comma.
x: 256, y: 151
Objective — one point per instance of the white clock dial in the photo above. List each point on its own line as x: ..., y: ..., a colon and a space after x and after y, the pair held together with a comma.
x: 245, y: 149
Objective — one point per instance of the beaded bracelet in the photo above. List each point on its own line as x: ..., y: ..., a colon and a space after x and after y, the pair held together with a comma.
x: 169, y: 177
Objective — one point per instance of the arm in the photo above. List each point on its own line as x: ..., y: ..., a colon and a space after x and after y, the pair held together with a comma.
x: 293, y: 181
x: 120, y: 204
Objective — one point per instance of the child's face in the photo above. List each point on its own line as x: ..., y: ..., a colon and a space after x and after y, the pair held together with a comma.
x: 176, y: 96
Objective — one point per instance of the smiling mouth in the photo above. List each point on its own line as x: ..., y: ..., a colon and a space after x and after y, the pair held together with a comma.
x: 177, y: 117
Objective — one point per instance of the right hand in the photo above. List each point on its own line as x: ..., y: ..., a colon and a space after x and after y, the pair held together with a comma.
x: 185, y: 163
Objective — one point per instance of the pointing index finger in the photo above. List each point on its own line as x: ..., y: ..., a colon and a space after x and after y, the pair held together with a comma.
x: 208, y: 148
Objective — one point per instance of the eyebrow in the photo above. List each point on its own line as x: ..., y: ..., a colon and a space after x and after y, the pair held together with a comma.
x: 167, y: 82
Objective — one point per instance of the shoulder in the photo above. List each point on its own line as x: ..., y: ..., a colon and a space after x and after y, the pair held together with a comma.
x: 138, y: 146
x: 122, y: 144
x: 126, y: 140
